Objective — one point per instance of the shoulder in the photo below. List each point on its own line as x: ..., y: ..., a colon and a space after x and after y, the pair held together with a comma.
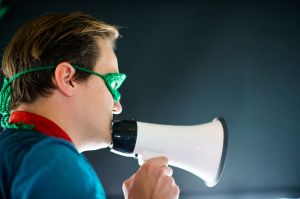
x: 54, y: 154
x: 18, y: 145
x: 53, y: 166
x: 55, y: 146
x: 14, y: 145
x: 58, y: 154
x: 28, y: 142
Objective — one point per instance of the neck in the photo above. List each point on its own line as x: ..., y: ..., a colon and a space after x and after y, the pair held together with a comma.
x: 61, y: 113
x: 70, y: 115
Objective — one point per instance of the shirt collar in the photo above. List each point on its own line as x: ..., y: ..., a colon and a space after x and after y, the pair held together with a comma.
x: 41, y: 124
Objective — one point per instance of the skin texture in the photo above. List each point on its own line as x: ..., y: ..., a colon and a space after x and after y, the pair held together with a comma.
x: 153, y: 180
x: 85, y: 110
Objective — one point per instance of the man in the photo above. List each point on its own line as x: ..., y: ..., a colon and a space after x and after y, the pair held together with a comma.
x: 57, y: 101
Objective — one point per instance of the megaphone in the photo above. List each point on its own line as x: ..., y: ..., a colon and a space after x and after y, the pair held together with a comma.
x: 198, y: 149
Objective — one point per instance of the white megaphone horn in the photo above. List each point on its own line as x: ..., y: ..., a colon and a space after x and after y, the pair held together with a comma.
x: 199, y: 149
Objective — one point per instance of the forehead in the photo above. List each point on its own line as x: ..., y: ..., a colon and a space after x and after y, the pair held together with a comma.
x: 107, y: 61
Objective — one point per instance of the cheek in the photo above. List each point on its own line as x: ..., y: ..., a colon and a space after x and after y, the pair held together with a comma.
x: 104, y: 93
x: 104, y: 101
x: 101, y: 100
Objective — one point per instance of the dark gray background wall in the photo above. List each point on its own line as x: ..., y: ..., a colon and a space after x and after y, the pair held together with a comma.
x: 190, y: 61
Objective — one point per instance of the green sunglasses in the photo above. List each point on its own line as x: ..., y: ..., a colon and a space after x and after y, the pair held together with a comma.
x: 113, y: 81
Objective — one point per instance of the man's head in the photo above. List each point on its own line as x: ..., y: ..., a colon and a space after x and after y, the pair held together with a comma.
x: 78, y: 101
x: 50, y: 40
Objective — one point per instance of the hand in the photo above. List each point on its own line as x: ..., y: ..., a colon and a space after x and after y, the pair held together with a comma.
x: 153, y: 180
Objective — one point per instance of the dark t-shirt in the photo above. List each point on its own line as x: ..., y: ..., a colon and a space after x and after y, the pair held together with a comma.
x: 34, y: 165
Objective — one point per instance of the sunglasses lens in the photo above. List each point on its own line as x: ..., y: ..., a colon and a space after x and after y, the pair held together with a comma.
x: 114, y: 81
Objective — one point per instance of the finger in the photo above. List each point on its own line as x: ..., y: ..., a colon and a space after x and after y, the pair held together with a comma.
x: 159, y: 161
x: 127, y: 183
x: 165, y: 171
x: 169, y: 171
x: 126, y: 187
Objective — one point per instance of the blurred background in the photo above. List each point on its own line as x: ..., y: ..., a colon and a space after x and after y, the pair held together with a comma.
x: 190, y: 61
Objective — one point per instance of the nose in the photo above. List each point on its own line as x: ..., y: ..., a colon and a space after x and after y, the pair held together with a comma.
x: 117, y: 109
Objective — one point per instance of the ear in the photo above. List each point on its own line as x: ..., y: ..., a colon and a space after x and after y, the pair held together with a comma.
x: 64, y: 78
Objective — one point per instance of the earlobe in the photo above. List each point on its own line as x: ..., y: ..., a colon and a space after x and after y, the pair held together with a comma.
x: 64, y: 77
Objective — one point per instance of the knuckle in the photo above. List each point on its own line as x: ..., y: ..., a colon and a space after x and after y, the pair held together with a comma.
x: 161, y: 171
x: 168, y: 181
x: 172, y: 181
x: 146, y: 167
x: 125, y: 183
x: 164, y: 158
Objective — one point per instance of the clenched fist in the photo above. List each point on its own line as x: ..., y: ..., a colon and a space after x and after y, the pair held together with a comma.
x: 153, y: 180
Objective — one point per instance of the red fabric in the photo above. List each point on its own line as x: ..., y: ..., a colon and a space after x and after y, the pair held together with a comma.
x: 41, y: 124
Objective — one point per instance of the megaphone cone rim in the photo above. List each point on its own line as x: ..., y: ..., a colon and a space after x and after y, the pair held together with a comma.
x: 224, y: 153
